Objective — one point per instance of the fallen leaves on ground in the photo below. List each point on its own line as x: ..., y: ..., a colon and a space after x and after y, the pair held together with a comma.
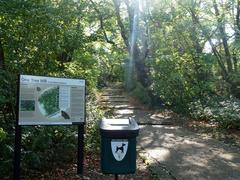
x: 91, y: 171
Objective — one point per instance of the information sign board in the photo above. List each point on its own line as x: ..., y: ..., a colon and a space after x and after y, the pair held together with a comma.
x: 51, y: 101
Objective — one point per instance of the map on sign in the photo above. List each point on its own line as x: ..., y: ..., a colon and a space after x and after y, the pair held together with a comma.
x: 48, y: 100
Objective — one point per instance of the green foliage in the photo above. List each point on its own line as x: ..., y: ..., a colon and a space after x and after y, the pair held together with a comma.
x: 183, y: 68
x: 44, y: 147
x: 2, y: 135
x: 35, y: 34
x: 45, y: 38
x: 224, y: 110
x: 7, y: 88
x: 178, y: 80
x: 6, y: 153
x: 85, y: 66
x: 92, y: 140
x: 235, y: 83
x: 110, y: 65
x: 7, y: 117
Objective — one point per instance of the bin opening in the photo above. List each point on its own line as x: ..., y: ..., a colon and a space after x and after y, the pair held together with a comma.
x: 120, y: 122
x: 112, y: 127
x: 117, y: 122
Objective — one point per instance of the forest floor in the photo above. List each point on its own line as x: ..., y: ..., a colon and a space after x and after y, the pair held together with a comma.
x: 91, y: 171
x: 176, y: 147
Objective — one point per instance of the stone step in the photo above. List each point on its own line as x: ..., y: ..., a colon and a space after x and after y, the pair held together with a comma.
x: 113, y: 90
x: 107, y: 103
x: 114, y: 101
x: 114, y: 96
x: 122, y: 106
x: 116, y: 85
x: 123, y: 111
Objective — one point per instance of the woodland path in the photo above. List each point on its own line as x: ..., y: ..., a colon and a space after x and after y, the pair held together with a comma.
x: 172, y: 151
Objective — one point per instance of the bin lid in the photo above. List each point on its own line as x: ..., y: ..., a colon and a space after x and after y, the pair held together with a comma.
x: 119, y: 128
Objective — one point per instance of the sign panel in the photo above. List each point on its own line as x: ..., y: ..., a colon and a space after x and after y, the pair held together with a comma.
x: 51, y: 101
x: 119, y: 148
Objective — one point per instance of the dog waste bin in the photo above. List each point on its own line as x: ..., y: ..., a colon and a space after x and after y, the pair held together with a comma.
x: 118, y: 145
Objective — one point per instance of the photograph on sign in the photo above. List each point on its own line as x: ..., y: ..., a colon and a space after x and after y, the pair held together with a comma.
x: 50, y: 101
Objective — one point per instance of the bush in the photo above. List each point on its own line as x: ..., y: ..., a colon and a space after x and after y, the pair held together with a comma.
x: 46, y: 146
x: 2, y: 135
x: 92, y: 140
x: 235, y: 84
x: 177, y: 79
x: 225, y: 111
x: 6, y: 153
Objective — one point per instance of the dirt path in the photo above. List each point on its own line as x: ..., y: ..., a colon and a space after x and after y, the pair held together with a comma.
x: 173, y: 151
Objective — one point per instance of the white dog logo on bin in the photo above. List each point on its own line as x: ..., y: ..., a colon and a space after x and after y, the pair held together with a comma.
x: 119, y: 148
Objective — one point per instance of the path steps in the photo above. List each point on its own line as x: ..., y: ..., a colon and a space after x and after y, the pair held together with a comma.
x: 115, y: 98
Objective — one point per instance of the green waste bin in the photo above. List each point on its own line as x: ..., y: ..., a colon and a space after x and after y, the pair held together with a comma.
x: 118, y: 145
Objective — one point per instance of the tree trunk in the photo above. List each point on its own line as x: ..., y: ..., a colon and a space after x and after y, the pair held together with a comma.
x: 142, y: 75
x: 237, y: 36
x: 223, y: 35
x: 120, y: 24
x: 138, y: 55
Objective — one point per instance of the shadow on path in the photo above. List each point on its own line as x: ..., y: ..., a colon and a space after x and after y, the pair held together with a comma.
x: 189, y: 156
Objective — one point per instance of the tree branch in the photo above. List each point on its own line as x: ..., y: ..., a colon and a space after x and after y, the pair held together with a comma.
x: 101, y: 23
x: 120, y: 24
x: 215, y: 52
